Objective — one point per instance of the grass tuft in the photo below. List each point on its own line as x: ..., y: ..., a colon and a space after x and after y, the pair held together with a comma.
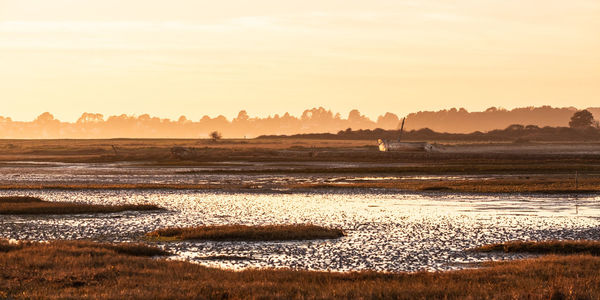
x: 6, y: 245
x: 545, y: 247
x: 16, y: 205
x: 246, y: 233
x: 133, y: 249
x: 20, y: 199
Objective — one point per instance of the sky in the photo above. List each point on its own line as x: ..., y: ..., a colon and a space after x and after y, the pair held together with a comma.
x: 196, y: 58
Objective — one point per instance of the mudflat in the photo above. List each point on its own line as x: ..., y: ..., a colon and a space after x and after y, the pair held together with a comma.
x: 297, y: 164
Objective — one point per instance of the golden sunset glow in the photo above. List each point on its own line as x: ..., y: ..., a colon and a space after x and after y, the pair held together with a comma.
x: 195, y: 58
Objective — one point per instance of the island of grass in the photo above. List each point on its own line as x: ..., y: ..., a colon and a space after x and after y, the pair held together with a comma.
x: 23, y: 205
x: 133, y: 249
x: 74, y: 270
x: 545, y: 247
x: 246, y: 233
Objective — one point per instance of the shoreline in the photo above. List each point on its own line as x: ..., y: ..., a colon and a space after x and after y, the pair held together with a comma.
x: 554, y: 186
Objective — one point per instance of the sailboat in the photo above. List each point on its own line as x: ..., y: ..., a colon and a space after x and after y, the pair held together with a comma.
x: 398, y: 145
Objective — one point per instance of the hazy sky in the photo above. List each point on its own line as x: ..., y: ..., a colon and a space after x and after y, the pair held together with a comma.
x: 195, y: 58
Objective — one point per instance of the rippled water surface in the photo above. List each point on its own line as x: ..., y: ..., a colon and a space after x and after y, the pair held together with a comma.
x: 385, y: 231
x: 275, y: 175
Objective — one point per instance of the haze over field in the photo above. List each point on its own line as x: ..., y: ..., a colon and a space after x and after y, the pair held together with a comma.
x: 316, y: 120
x: 167, y: 58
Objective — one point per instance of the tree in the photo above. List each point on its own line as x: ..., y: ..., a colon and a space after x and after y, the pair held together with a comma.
x: 242, y: 116
x: 582, y: 119
x: 90, y: 118
x: 45, y: 118
x: 388, y: 121
x: 515, y: 127
x: 215, y: 136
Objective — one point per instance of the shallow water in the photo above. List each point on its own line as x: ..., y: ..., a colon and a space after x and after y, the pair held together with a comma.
x: 386, y: 231
x: 36, y: 173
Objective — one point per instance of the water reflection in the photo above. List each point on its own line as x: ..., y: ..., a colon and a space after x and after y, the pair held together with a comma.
x: 386, y: 231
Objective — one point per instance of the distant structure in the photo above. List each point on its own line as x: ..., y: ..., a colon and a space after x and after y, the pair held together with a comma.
x: 386, y: 145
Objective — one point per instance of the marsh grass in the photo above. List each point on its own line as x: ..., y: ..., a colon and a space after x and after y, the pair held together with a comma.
x: 545, y: 247
x: 17, y: 205
x: 525, y: 184
x: 246, y: 233
x: 6, y: 245
x: 20, y: 199
x: 74, y: 270
x: 560, y: 185
x: 133, y: 249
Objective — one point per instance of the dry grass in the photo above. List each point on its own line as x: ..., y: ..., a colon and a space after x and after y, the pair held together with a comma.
x: 133, y: 249
x: 60, y: 270
x: 545, y: 247
x: 524, y: 184
x: 247, y: 233
x: 537, y: 184
x: 464, y: 166
x: 105, y: 186
x: 496, y: 157
x: 20, y: 199
x: 15, y: 205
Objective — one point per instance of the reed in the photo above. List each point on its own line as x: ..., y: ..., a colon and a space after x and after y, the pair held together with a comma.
x: 545, y: 247
x: 525, y: 184
x: 16, y: 205
x: 246, y: 233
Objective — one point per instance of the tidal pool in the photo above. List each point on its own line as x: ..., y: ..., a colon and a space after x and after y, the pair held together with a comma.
x: 386, y: 231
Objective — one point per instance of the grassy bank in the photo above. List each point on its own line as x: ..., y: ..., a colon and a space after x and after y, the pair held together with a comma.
x: 15, y: 205
x: 523, y: 184
x: 545, y: 247
x: 493, y: 157
x: 526, y: 184
x: 246, y: 233
x: 59, y: 270
x: 133, y: 249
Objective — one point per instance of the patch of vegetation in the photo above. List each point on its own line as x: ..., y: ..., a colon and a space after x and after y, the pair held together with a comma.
x: 555, y: 184
x: 20, y: 199
x: 133, y: 249
x: 537, y: 184
x: 225, y: 257
x: 545, y: 247
x: 17, y: 205
x: 246, y: 233
x: 587, y: 132
x: 67, y: 270
x: 6, y: 245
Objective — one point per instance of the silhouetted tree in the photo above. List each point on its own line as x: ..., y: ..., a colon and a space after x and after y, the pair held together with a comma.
x: 515, y: 127
x: 242, y: 116
x: 388, y: 121
x: 582, y: 119
x: 90, y: 118
x: 45, y: 118
x: 215, y: 136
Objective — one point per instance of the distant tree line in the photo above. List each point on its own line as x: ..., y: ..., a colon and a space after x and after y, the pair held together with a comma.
x: 461, y: 121
x: 583, y: 127
x: 93, y: 125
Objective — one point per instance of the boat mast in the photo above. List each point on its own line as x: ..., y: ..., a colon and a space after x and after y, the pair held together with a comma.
x: 401, y: 129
